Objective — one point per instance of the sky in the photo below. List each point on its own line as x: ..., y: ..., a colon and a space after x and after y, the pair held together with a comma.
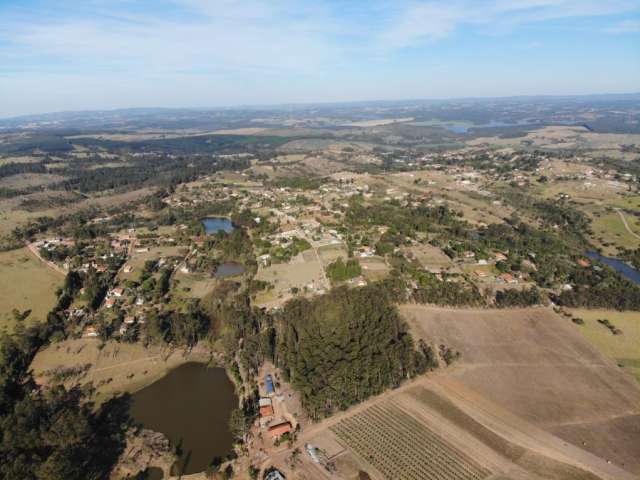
x: 60, y: 55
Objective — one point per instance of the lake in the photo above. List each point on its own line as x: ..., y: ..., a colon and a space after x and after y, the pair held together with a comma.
x: 618, y: 265
x: 213, y: 225
x: 191, y: 405
x: 229, y: 269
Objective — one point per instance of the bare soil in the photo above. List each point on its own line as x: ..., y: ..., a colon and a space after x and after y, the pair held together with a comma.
x: 535, y: 365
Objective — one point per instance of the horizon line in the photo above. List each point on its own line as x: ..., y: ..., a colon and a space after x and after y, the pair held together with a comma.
x: 241, y: 106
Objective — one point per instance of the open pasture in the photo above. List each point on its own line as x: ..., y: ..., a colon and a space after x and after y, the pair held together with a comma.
x: 302, y: 271
x: 114, y: 367
x: 26, y: 283
x: 624, y: 348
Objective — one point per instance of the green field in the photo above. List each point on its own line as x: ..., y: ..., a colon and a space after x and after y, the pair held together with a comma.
x: 611, y: 229
x: 26, y: 283
x: 623, y: 348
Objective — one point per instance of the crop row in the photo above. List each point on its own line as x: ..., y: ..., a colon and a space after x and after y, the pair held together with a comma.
x: 402, y: 448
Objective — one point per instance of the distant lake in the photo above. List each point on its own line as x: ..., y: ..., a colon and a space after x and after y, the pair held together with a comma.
x: 191, y: 405
x: 229, y: 269
x: 213, y: 225
x: 464, y: 127
x: 618, y: 265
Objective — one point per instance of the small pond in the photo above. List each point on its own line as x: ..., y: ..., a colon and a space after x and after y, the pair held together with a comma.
x: 228, y: 269
x: 191, y: 405
x: 213, y: 225
x: 618, y: 265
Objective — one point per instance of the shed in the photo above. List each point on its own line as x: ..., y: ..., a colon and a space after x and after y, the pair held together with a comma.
x: 266, y: 411
x: 280, y: 429
x: 269, y: 384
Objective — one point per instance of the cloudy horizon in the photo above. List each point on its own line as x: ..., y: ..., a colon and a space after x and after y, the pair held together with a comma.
x: 97, y: 54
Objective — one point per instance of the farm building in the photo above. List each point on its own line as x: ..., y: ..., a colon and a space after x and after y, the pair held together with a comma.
x: 274, y: 475
x: 280, y: 429
x: 268, y: 381
x: 266, y: 411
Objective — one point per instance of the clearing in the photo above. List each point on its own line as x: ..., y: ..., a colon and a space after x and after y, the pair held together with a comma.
x: 26, y: 283
x: 624, y: 348
x: 115, y: 367
x: 537, y: 366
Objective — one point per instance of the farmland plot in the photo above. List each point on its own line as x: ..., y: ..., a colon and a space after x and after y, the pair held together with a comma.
x: 401, y: 447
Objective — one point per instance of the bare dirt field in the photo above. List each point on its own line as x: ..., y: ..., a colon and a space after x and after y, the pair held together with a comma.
x: 537, y: 366
x: 437, y: 428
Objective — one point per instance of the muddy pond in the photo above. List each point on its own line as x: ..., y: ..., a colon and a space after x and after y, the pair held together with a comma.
x: 191, y: 405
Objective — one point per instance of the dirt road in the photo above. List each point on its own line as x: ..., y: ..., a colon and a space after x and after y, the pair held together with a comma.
x: 626, y: 224
x: 34, y: 250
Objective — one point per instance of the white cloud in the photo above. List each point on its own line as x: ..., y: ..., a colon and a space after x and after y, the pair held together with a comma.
x: 626, y: 26
x: 423, y: 21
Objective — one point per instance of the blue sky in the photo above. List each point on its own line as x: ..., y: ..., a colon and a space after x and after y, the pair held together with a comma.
x: 99, y: 54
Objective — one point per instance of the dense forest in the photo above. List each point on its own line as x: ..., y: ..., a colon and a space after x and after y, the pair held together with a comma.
x: 340, y: 348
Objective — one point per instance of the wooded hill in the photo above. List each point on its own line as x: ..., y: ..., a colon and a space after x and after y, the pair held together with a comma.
x: 340, y: 348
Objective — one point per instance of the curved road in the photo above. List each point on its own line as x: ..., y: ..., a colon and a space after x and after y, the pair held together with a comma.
x: 626, y: 224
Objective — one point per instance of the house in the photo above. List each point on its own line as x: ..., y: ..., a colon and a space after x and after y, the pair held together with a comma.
x: 583, y: 262
x: 110, y: 302
x: 117, y: 292
x: 266, y: 411
x: 508, y: 278
x: 90, y: 332
x: 280, y: 429
x: 274, y: 475
x: 500, y: 257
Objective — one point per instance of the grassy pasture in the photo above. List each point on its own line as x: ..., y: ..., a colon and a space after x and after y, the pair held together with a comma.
x: 199, y: 284
x: 611, y: 229
x: 26, y: 283
x: 374, y: 268
x: 298, y: 273
x: 330, y: 253
x: 624, y: 349
x: 115, y: 368
x: 27, y: 180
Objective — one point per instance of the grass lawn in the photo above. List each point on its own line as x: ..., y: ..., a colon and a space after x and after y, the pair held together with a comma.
x: 26, y: 283
x: 199, y: 284
x: 623, y: 348
x: 330, y: 253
